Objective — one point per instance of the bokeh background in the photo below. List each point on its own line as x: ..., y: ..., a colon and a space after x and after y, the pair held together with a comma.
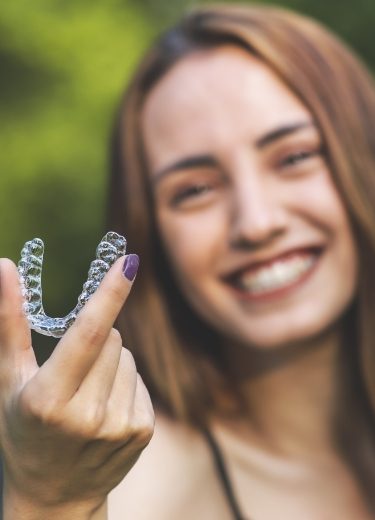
x: 63, y: 66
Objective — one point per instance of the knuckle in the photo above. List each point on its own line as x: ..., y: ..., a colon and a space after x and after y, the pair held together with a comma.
x: 27, y: 405
x: 92, y: 330
x: 118, y: 435
x: 115, y: 430
x: 13, y: 314
x: 116, y: 294
x: 115, y: 336
x: 144, y: 434
x: 126, y: 430
x: 44, y: 410
x: 90, y: 420
x: 144, y: 429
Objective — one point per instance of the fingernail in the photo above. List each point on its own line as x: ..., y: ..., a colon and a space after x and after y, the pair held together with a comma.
x: 130, y: 267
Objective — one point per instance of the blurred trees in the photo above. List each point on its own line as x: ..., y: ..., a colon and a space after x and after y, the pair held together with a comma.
x: 63, y: 65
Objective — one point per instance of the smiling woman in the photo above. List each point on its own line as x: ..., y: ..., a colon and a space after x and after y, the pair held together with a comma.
x: 242, y: 175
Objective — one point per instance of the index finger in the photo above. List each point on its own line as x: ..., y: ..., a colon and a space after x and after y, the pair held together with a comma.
x: 82, y: 343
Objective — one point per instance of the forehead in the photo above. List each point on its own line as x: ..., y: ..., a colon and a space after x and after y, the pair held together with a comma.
x: 213, y: 99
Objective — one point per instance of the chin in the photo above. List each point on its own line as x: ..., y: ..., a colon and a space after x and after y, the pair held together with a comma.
x: 270, y: 338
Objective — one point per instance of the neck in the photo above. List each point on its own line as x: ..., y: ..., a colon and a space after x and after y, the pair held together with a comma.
x: 289, y: 395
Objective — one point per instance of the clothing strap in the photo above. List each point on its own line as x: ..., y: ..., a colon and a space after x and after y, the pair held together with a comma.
x: 223, y: 475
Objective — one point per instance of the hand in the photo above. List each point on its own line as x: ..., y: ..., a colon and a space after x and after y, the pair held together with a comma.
x: 71, y: 429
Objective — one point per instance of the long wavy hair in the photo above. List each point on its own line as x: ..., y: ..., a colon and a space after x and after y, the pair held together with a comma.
x: 178, y: 355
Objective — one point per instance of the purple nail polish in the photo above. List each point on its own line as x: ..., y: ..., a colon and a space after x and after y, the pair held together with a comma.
x: 130, y: 267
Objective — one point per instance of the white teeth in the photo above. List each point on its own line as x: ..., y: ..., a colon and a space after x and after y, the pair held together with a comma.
x: 276, y: 275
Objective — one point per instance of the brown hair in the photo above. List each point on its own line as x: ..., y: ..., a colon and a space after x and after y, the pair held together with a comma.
x: 178, y: 355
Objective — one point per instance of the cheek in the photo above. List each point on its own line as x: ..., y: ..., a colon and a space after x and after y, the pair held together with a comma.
x: 320, y: 203
x: 325, y: 207
x: 193, y: 241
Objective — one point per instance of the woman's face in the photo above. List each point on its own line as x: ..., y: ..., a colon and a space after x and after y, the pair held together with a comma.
x: 253, y: 225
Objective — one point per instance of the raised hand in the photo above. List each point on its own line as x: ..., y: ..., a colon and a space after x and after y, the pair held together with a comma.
x: 71, y: 429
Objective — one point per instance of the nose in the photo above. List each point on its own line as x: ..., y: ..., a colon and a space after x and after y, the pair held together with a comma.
x: 257, y: 213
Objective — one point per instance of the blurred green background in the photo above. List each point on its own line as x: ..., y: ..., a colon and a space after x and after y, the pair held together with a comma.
x: 63, y: 66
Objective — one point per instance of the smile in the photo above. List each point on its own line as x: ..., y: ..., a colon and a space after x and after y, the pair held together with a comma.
x: 276, y: 277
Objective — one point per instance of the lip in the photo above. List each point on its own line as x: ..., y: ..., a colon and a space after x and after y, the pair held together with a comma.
x: 264, y: 262
x: 282, y: 291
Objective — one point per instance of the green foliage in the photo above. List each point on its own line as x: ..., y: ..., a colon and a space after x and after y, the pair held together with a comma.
x: 63, y: 66
x: 354, y: 21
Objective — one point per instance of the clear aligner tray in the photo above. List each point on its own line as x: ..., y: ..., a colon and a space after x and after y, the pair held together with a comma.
x: 110, y: 248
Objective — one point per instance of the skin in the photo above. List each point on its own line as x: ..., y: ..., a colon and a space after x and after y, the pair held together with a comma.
x: 232, y: 189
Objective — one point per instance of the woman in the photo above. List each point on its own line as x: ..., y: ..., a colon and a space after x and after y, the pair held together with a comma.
x: 242, y: 176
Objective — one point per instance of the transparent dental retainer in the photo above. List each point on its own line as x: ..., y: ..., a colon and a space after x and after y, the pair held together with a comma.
x: 111, y: 247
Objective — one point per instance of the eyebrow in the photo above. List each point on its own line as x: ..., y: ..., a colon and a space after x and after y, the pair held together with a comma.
x: 209, y: 161
x: 282, y: 131
x: 185, y: 164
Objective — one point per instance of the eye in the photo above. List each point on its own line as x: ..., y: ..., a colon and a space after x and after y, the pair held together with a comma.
x: 300, y: 157
x: 190, y: 193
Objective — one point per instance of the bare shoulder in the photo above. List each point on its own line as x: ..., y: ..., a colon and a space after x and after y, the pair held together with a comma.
x: 166, y: 477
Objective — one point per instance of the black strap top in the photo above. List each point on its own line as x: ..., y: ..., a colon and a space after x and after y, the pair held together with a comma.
x: 223, y: 476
